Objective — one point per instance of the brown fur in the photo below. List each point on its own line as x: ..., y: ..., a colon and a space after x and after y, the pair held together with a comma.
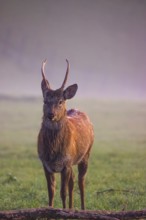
x: 63, y: 141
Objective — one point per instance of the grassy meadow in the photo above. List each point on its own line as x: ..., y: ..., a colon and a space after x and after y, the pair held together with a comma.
x: 116, y: 177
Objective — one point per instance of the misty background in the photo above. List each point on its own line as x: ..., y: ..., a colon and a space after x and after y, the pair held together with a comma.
x: 104, y: 40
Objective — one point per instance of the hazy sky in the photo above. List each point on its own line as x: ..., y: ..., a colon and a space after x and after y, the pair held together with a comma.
x: 104, y: 40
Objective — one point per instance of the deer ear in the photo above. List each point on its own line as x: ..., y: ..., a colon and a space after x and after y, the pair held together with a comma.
x: 70, y: 91
x: 44, y: 87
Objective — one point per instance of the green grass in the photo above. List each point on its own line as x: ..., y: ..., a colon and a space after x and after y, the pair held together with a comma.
x: 116, y: 177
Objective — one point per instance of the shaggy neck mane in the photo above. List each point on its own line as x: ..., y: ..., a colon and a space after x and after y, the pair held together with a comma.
x: 54, y: 134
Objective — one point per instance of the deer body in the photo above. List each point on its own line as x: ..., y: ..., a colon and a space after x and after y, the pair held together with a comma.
x: 65, y: 139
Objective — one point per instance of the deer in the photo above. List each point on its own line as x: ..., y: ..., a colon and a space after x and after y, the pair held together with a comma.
x: 64, y: 140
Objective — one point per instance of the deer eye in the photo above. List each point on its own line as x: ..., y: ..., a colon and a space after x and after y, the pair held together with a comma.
x: 60, y: 102
x: 45, y: 102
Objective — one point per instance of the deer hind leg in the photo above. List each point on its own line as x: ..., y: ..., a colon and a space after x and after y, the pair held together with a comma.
x: 70, y: 188
x: 50, y: 177
x: 82, y: 169
x: 65, y: 179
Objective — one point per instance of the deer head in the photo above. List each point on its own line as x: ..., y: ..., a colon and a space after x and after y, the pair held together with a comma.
x: 54, y: 100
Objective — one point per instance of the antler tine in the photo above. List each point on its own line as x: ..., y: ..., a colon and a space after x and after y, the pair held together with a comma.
x: 66, y: 75
x: 43, y: 73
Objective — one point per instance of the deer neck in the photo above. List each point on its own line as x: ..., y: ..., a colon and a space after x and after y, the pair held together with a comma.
x: 53, y: 138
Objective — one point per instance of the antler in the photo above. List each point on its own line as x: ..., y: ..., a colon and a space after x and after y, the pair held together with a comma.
x: 43, y: 73
x: 66, y: 75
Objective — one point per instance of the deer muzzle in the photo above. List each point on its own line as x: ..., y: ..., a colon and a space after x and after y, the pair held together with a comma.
x: 51, y: 116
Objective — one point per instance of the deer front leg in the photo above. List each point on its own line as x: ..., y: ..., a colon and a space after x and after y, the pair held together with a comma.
x: 65, y: 176
x: 50, y: 177
x: 70, y: 188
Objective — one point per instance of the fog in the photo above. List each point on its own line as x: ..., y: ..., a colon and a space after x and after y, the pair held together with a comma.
x: 104, y: 40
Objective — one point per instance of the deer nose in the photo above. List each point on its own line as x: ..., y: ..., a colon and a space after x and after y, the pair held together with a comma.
x: 51, y: 116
